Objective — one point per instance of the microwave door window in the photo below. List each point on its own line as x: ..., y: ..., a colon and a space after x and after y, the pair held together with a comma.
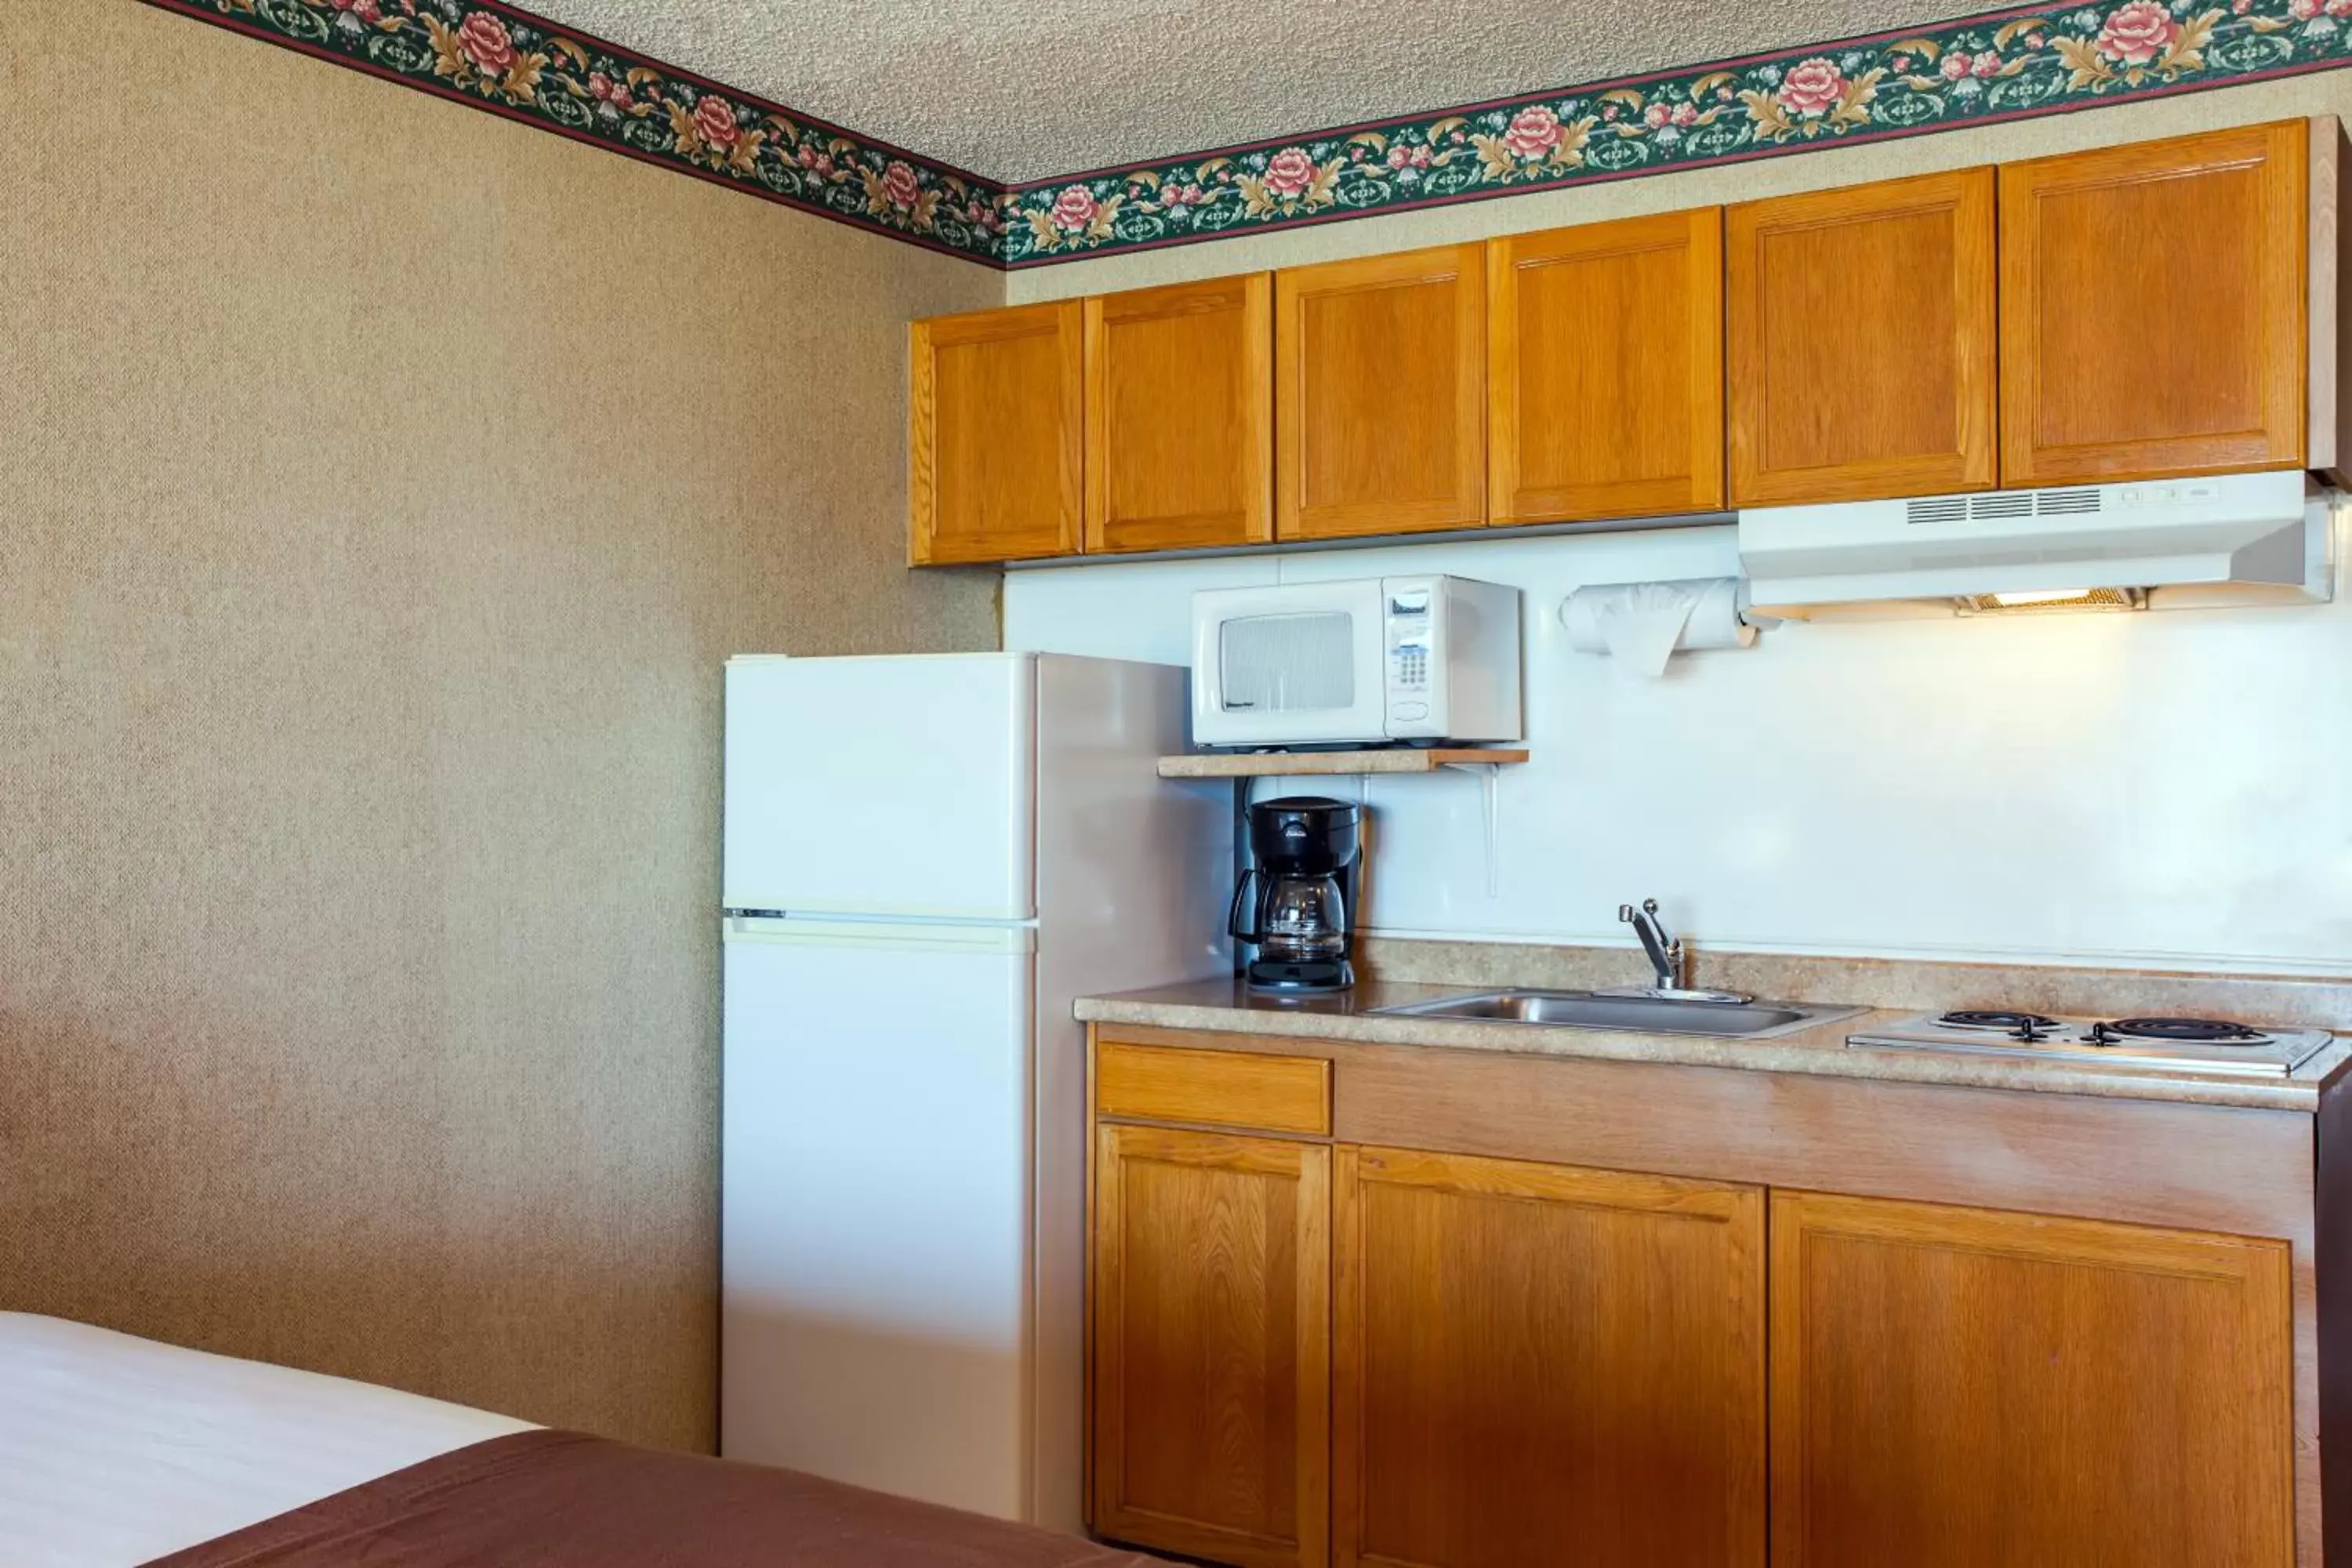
x: 1288, y: 664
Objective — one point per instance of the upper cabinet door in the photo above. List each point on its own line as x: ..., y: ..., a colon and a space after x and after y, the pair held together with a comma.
x: 1860, y: 337
x: 1380, y: 395
x: 1179, y: 415
x: 998, y: 434
x: 2152, y: 308
x: 1605, y: 355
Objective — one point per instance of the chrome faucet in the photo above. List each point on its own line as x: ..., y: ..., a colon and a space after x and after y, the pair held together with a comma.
x: 1666, y: 952
x: 1669, y: 959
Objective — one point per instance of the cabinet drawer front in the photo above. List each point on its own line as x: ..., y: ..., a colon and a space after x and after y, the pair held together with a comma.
x: 1215, y: 1089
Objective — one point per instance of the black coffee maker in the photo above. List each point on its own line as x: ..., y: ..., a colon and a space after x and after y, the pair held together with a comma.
x: 1305, y: 873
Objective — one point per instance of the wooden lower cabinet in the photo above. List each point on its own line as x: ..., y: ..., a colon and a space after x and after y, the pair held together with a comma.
x: 1537, y: 1365
x: 1306, y: 1355
x: 1212, y: 1344
x: 1958, y: 1388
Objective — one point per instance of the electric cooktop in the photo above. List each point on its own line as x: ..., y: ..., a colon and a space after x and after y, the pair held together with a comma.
x: 2178, y: 1044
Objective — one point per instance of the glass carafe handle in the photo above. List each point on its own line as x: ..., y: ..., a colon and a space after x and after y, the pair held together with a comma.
x: 1233, y: 910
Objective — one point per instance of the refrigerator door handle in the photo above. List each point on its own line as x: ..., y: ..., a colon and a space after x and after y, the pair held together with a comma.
x: 911, y: 937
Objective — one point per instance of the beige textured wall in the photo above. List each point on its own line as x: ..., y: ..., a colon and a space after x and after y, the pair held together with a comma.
x: 2326, y: 92
x: 381, y: 486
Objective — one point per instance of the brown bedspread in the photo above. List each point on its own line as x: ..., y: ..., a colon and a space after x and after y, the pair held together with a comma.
x: 558, y: 1499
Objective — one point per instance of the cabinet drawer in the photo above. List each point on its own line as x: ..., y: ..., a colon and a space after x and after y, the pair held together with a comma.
x: 1215, y: 1089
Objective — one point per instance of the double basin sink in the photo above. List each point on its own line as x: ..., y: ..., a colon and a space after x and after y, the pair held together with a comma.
x: 1659, y: 1012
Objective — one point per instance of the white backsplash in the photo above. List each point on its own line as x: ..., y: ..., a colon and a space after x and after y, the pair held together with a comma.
x: 2167, y: 789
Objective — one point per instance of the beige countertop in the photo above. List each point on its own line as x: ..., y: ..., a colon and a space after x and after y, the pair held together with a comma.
x: 1226, y: 1006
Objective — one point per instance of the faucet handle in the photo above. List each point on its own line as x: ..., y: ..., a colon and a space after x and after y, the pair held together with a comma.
x: 1647, y: 915
x: 1664, y: 961
x: 1666, y: 949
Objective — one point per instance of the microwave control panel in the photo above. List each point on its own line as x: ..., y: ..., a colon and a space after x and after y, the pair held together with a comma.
x: 1411, y: 616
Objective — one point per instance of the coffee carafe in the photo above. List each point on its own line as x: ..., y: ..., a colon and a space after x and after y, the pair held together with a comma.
x: 1305, y: 874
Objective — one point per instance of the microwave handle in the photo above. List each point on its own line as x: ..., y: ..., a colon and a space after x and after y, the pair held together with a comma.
x: 1233, y: 910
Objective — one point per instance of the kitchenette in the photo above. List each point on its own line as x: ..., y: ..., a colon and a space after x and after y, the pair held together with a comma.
x: 1926, y: 1263
x: 1666, y: 897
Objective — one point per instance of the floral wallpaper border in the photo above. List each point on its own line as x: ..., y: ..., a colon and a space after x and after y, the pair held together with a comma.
x: 511, y: 62
x: 2004, y: 65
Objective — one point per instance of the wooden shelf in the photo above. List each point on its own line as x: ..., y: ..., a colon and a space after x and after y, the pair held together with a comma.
x: 1308, y: 764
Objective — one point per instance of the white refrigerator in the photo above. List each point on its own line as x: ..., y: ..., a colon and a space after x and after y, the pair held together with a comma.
x: 927, y: 858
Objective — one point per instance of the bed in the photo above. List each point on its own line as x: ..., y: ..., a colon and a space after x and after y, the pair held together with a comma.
x: 117, y: 1451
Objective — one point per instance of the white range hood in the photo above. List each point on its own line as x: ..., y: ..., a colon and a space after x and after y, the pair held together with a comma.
x: 2231, y: 539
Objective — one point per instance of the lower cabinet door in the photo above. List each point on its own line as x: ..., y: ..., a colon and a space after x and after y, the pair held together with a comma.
x: 1958, y: 1388
x: 1212, y: 1345
x: 1534, y: 1365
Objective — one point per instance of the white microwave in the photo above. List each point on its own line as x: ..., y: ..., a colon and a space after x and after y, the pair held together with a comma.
x: 1360, y: 662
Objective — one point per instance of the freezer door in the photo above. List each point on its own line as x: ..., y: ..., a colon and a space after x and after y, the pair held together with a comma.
x: 875, y: 1204
x: 891, y: 787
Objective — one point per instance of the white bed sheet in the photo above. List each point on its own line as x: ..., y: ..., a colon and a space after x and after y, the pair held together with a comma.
x: 116, y: 1450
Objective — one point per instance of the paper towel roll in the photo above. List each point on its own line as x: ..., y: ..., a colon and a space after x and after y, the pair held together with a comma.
x: 1641, y: 625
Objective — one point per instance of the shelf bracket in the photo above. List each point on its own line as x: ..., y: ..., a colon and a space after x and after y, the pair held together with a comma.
x: 1491, y: 810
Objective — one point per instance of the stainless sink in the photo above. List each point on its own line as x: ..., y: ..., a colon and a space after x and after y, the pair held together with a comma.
x: 1646, y: 1014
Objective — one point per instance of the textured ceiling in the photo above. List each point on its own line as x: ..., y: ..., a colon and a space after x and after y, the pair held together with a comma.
x: 1021, y: 90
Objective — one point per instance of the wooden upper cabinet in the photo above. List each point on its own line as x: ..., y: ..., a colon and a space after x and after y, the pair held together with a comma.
x: 1380, y: 395
x: 1604, y: 356
x: 1956, y: 1388
x: 998, y: 437
x: 1179, y: 415
x: 1861, y: 341
x: 1537, y: 1364
x: 2153, y: 309
x: 1212, y: 1345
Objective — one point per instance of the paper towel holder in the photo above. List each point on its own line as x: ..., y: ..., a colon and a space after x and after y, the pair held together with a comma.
x: 1747, y: 615
x: 1695, y: 613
